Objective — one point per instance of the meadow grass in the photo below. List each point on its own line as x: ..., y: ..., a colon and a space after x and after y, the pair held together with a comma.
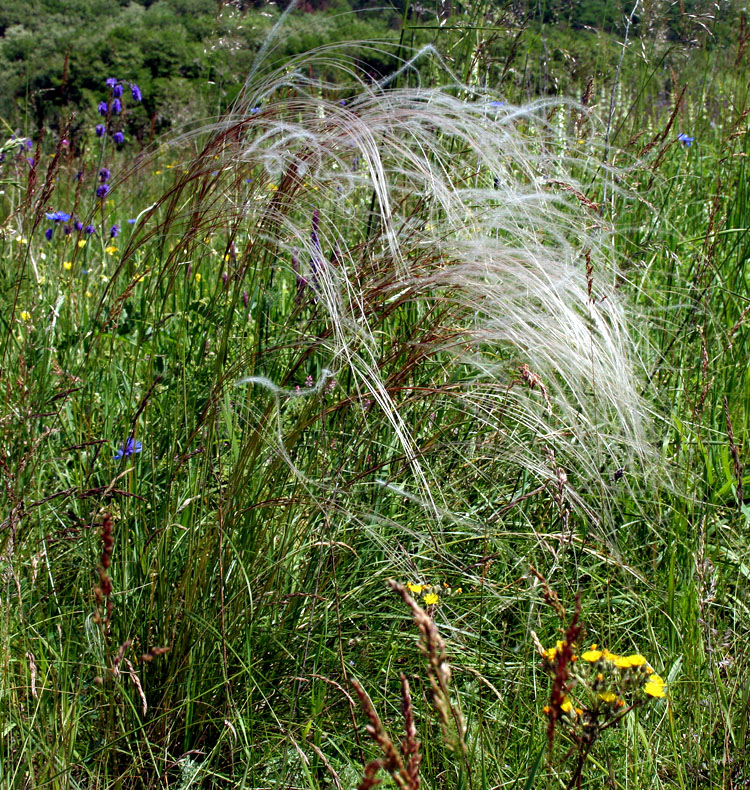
x: 391, y: 332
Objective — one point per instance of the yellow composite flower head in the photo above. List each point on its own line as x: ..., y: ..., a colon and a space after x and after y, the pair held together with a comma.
x: 655, y: 687
x: 431, y: 599
x: 110, y: 250
x: 592, y: 656
x: 608, y: 696
x: 67, y: 265
x: 25, y: 315
x: 415, y: 588
x: 636, y: 660
x: 551, y: 652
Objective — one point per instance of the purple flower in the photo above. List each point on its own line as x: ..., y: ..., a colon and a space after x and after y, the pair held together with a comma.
x: 79, y: 175
x: 57, y: 216
x: 111, y: 82
x: 117, y: 90
x: 78, y: 225
x: 135, y: 92
x: 102, y: 190
x: 104, y: 175
x: 130, y: 447
x: 685, y: 140
x: 48, y: 234
x: 114, y: 231
x: 100, y: 129
x: 30, y: 160
x: 66, y: 230
x: 132, y: 221
x: 116, y: 106
x: 102, y: 108
x: 118, y: 138
x: 65, y: 143
x: 29, y: 144
x: 89, y: 229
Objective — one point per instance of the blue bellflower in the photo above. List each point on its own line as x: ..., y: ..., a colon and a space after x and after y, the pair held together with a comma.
x: 100, y: 129
x: 685, y: 139
x: 116, y: 106
x: 117, y: 91
x: 102, y: 190
x: 102, y: 108
x: 114, y: 231
x: 135, y: 92
x: 118, y: 138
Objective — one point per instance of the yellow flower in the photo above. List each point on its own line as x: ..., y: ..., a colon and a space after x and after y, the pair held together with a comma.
x: 636, y: 660
x: 655, y: 686
x: 415, y: 588
x: 551, y: 652
x: 623, y: 662
x: 81, y: 242
x: 25, y: 315
x: 197, y: 277
x: 88, y: 294
x: 608, y: 696
x: 157, y: 172
x: 110, y: 250
x: 21, y: 240
x: 591, y: 655
x: 431, y: 599
x: 566, y: 705
x: 67, y: 265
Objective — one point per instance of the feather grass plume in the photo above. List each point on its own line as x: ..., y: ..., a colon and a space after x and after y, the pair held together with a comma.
x: 438, y: 255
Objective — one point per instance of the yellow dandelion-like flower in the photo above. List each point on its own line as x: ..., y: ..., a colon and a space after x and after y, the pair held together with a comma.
x: 431, y: 599
x: 110, y: 250
x: 81, y: 242
x: 623, y: 662
x: 67, y: 265
x: 157, y: 172
x: 227, y: 258
x: 592, y: 656
x: 566, y: 705
x: 636, y: 660
x: 25, y: 315
x: 608, y: 696
x: 197, y: 277
x: 655, y: 687
x: 415, y: 588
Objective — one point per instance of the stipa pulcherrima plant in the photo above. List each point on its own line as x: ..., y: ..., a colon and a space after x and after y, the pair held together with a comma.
x: 456, y: 220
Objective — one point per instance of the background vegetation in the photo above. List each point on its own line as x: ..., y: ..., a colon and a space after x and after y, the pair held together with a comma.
x: 191, y: 610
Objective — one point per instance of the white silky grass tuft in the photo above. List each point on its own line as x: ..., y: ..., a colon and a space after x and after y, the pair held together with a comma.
x: 465, y: 214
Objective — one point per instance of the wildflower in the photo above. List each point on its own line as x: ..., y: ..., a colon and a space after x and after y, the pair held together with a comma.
x: 685, y: 140
x: 65, y: 143
x: 110, y: 82
x: 100, y: 129
x: 591, y: 656
x: 116, y: 106
x: 25, y: 315
x: 118, y: 138
x: 29, y: 143
x: 79, y: 175
x: 48, y: 234
x: 104, y: 175
x: 88, y: 294
x: 114, y: 231
x: 430, y: 599
x: 566, y: 706
x: 655, y: 686
x: 415, y: 588
x: 197, y: 277
x: 608, y: 696
x: 57, y: 216
x: 67, y: 265
x: 135, y: 92
x: 132, y: 221
x: 110, y: 249
x: 89, y: 229
x: 78, y: 225
x: 117, y: 91
x: 102, y: 108
x: 31, y: 161
x: 102, y: 190
x: 21, y: 240
x: 81, y: 243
